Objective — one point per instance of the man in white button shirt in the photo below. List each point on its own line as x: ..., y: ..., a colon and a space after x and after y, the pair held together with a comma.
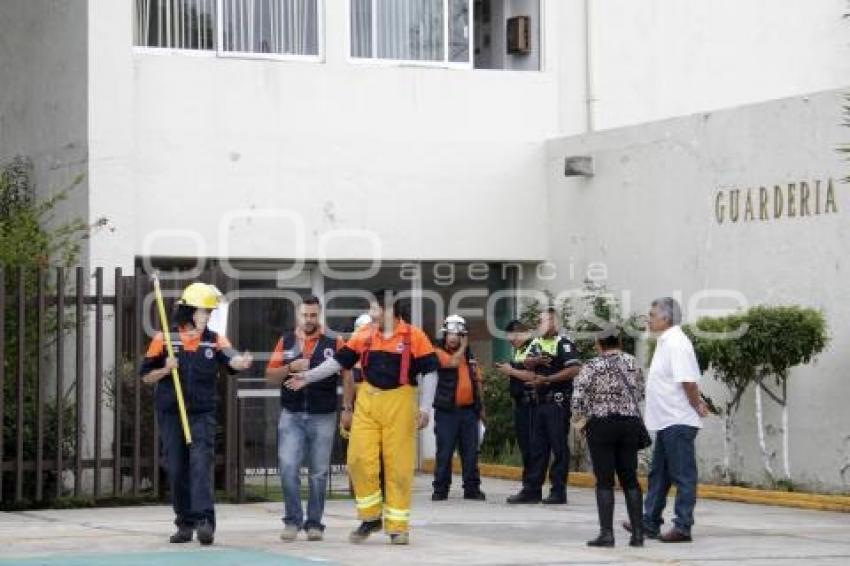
x: 674, y: 410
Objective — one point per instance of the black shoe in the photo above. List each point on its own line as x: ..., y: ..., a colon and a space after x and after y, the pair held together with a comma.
x: 605, y: 508
x: 556, y: 499
x: 523, y: 497
x: 365, y: 529
x: 475, y: 495
x: 647, y: 533
x: 183, y: 534
x: 604, y: 539
x: 634, y: 506
x: 206, y: 533
x: 439, y: 496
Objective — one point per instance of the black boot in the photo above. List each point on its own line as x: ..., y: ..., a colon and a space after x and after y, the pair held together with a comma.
x: 475, y: 495
x: 524, y: 497
x: 365, y: 529
x: 634, y: 506
x: 439, y: 496
x: 605, y: 508
x: 206, y: 533
x: 183, y: 534
x: 556, y: 498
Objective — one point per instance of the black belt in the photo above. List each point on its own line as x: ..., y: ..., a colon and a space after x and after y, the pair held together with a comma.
x: 554, y: 397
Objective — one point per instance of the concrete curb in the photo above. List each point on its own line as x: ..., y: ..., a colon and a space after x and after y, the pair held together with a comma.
x: 799, y: 500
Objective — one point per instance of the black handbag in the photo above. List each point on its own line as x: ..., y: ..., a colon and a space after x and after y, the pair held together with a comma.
x: 644, y: 440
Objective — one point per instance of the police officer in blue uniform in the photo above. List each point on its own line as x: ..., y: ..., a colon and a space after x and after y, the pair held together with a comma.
x: 198, y: 354
x: 554, y: 361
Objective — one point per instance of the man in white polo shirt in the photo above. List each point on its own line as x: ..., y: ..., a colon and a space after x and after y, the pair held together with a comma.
x: 674, y: 410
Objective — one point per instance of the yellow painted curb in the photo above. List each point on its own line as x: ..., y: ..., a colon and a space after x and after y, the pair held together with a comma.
x: 798, y: 500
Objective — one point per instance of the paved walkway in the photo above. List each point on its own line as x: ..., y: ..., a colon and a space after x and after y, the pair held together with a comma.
x: 452, y: 532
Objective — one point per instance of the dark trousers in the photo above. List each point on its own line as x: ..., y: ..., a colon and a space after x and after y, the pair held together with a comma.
x: 613, y: 444
x: 457, y: 428
x: 523, y: 419
x: 189, y: 467
x: 549, y: 436
x: 673, y: 463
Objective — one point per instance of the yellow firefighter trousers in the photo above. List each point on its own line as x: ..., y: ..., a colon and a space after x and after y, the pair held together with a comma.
x: 384, y: 424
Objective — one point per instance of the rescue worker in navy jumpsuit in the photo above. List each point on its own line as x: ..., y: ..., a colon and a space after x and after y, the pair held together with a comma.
x: 199, y: 353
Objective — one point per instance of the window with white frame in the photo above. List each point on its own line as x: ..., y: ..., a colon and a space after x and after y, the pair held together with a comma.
x: 411, y: 30
x: 248, y: 27
x: 176, y: 24
x: 284, y: 27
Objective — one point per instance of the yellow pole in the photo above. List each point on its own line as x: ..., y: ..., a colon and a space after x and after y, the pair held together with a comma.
x: 166, y: 333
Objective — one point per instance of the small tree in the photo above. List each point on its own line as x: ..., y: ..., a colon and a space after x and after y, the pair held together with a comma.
x: 716, y: 348
x: 583, y: 313
x: 532, y: 309
x: 27, y: 244
x: 759, y: 348
x: 586, y: 312
x: 782, y: 338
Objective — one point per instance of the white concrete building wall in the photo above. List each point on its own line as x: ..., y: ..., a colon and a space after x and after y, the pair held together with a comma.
x: 656, y: 59
x: 179, y: 141
x: 649, y: 217
x: 352, y: 136
x: 43, y: 94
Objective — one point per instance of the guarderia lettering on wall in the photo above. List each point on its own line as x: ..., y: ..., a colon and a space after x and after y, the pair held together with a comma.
x: 791, y: 200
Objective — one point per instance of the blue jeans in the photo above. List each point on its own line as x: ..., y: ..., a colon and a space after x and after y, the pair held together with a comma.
x: 673, y: 463
x: 190, y: 468
x: 457, y: 428
x: 299, y: 436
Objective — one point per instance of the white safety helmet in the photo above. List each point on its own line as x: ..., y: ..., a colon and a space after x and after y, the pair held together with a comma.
x: 362, y: 321
x: 454, y: 324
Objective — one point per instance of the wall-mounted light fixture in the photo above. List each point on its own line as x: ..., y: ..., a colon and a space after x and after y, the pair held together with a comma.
x: 581, y: 165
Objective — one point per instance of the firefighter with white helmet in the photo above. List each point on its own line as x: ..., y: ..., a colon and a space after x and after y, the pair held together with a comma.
x: 458, y: 408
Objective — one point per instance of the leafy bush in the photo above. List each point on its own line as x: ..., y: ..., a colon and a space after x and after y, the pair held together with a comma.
x: 763, y: 343
x: 499, y: 444
x: 758, y: 348
x: 25, y: 246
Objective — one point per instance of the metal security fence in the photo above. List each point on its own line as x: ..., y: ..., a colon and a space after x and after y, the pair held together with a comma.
x: 258, y: 410
x: 77, y: 420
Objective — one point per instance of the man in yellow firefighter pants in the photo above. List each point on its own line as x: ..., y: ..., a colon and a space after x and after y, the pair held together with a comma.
x: 395, y: 357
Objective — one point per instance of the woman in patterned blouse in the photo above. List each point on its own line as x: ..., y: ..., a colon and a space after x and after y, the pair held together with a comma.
x: 606, y: 394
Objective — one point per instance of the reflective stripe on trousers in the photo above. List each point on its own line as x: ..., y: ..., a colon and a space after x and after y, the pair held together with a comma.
x: 384, y: 425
